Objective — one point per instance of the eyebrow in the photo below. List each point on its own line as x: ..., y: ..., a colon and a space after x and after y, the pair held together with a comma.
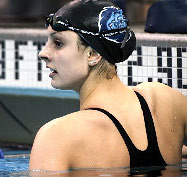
x: 53, y: 33
x: 56, y: 33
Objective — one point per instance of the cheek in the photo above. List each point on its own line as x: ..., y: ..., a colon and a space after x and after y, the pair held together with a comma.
x: 78, y: 69
x: 75, y: 60
x: 72, y: 66
x: 80, y: 64
x: 71, y: 77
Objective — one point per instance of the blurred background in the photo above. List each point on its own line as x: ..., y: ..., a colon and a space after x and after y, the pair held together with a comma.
x: 32, y: 13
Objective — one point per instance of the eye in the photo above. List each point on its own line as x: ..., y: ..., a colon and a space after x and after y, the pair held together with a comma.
x: 58, y: 43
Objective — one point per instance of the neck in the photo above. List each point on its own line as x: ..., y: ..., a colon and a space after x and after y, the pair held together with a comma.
x: 96, y: 88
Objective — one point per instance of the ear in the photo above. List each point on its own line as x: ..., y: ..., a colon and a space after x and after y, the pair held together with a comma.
x: 94, y: 58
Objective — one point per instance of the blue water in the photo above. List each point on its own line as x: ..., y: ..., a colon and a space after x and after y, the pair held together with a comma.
x: 14, y: 161
x: 16, y: 164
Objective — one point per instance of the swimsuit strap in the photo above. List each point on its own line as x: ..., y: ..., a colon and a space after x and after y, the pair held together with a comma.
x: 152, y: 155
x: 138, y: 158
x: 120, y: 128
x: 149, y: 125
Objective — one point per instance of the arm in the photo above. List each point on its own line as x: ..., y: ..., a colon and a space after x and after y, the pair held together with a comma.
x: 51, y: 148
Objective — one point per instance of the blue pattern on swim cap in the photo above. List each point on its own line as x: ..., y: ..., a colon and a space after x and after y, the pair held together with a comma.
x: 112, y: 18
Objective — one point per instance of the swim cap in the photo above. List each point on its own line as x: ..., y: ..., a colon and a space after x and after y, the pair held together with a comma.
x: 100, y: 23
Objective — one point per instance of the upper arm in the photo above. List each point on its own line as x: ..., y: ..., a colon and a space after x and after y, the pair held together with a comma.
x: 51, y: 148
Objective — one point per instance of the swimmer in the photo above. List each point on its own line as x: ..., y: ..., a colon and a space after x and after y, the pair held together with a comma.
x: 116, y: 126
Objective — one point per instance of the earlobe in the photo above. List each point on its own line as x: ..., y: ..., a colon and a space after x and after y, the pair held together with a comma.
x: 92, y: 63
x: 94, y: 59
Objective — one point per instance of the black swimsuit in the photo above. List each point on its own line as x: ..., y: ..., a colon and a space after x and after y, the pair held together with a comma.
x: 151, y: 156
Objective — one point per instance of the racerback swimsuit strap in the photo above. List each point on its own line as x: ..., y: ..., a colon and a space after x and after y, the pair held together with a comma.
x: 151, y: 156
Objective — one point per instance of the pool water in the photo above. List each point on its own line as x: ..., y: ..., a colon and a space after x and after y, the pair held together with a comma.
x: 14, y: 161
x: 16, y: 164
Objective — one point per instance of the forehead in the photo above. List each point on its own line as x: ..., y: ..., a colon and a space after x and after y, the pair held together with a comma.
x: 62, y: 34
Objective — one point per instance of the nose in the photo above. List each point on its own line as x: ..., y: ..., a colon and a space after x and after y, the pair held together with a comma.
x: 44, y: 54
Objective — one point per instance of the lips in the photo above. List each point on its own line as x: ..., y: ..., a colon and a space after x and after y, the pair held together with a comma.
x: 53, y: 72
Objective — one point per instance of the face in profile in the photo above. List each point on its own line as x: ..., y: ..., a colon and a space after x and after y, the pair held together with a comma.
x: 67, y: 62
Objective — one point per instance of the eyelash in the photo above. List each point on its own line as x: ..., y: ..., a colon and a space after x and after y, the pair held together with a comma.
x: 58, y: 43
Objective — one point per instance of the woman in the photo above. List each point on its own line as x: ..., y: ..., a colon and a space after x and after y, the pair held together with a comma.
x: 116, y: 126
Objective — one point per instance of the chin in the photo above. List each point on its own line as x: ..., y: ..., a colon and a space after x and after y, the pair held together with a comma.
x: 59, y: 87
x: 56, y: 86
x: 74, y: 85
x: 64, y: 87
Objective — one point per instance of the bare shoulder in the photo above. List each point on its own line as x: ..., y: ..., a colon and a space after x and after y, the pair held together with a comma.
x: 152, y: 92
x: 52, y: 146
x: 156, y: 89
x: 168, y: 105
x: 68, y: 126
x: 64, y: 124
x: 57, y: 141
x: 159, y: 94
x: 152, y: 87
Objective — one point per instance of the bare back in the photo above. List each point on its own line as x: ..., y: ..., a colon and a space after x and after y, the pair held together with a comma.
x: 168, y: 123
x: 93, y: 141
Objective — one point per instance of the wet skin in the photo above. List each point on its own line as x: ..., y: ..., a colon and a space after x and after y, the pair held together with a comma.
x: 87, y: 138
